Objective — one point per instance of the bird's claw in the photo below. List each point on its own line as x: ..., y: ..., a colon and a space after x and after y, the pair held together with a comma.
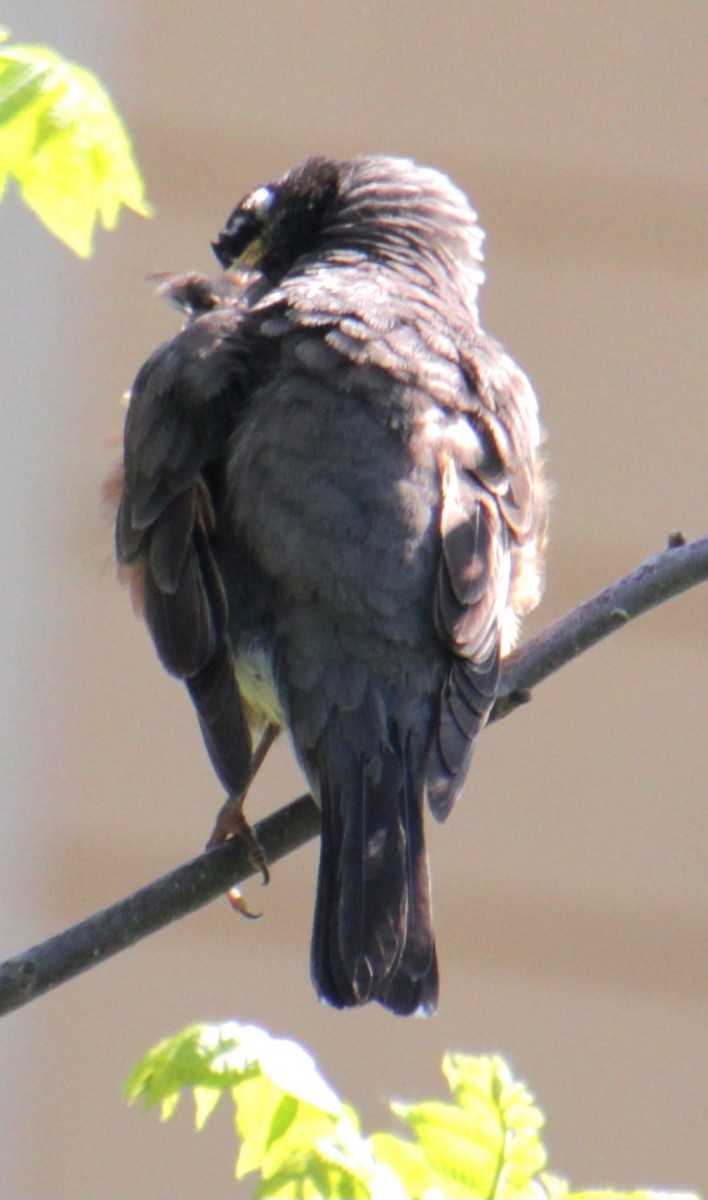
x: 231, y: 823
x: 240, y: 904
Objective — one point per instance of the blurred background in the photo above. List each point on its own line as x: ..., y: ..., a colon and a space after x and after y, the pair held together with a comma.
x: 571, y: 898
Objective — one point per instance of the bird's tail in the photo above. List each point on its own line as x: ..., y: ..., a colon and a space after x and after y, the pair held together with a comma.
x: 373, y: 932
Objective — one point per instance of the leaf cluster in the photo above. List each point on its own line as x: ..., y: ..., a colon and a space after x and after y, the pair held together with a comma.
x: 64, y: 145
x: 302, y: 1141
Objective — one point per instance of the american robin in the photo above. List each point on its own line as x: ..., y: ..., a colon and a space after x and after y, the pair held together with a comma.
x: 332, y: 510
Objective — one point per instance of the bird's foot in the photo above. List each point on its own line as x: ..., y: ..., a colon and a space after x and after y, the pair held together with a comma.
x: 231, y: 823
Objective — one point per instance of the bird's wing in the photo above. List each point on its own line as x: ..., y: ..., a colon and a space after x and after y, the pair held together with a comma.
x: 487, y: 518
x: 179, y: 419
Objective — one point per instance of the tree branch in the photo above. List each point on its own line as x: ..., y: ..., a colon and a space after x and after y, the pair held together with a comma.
x: 194, y: 884
x: 680, y: 567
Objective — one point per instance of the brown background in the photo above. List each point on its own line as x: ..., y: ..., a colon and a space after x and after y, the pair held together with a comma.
x: 571, y: 897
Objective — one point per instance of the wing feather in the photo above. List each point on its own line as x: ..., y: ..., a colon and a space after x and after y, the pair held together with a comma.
x: 491, y: 527
x: 181, y: 413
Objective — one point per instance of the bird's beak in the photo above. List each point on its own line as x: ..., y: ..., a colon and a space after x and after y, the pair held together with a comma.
x: 252, y: 254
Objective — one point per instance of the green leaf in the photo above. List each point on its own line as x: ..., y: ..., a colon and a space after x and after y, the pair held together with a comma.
x: 504, y: 1109
x: 406, y: 1160
x: 201, y: 1056
x: 63, y: 143
x: 642, y: 1194
x: 463, y: 1154
x: 205, y: 1101
x: 485, y: 1144
x: 291, y: 1126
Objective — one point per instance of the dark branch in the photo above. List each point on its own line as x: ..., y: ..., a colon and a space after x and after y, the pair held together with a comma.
x: 680, y: 567
x: 174, y: 895
x: 193, y: 885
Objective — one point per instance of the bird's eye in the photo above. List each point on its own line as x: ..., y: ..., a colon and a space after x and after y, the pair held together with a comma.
x: 259, y: 202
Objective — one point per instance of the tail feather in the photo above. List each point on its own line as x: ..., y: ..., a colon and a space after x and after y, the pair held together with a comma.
x: 373, y: 936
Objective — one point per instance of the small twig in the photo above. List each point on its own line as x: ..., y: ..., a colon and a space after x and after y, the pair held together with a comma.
x: 194, y: 884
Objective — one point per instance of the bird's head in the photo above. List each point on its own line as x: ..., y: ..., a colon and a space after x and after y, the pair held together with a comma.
x: 385, y: 209
x: 279, y: 222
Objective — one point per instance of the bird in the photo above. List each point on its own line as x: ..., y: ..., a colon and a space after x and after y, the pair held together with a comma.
x: 331, y: 510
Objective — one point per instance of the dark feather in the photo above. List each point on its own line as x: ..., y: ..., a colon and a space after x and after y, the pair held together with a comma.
x: 182, y: 406
x: 373, y: 936
x: 222, y: 720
